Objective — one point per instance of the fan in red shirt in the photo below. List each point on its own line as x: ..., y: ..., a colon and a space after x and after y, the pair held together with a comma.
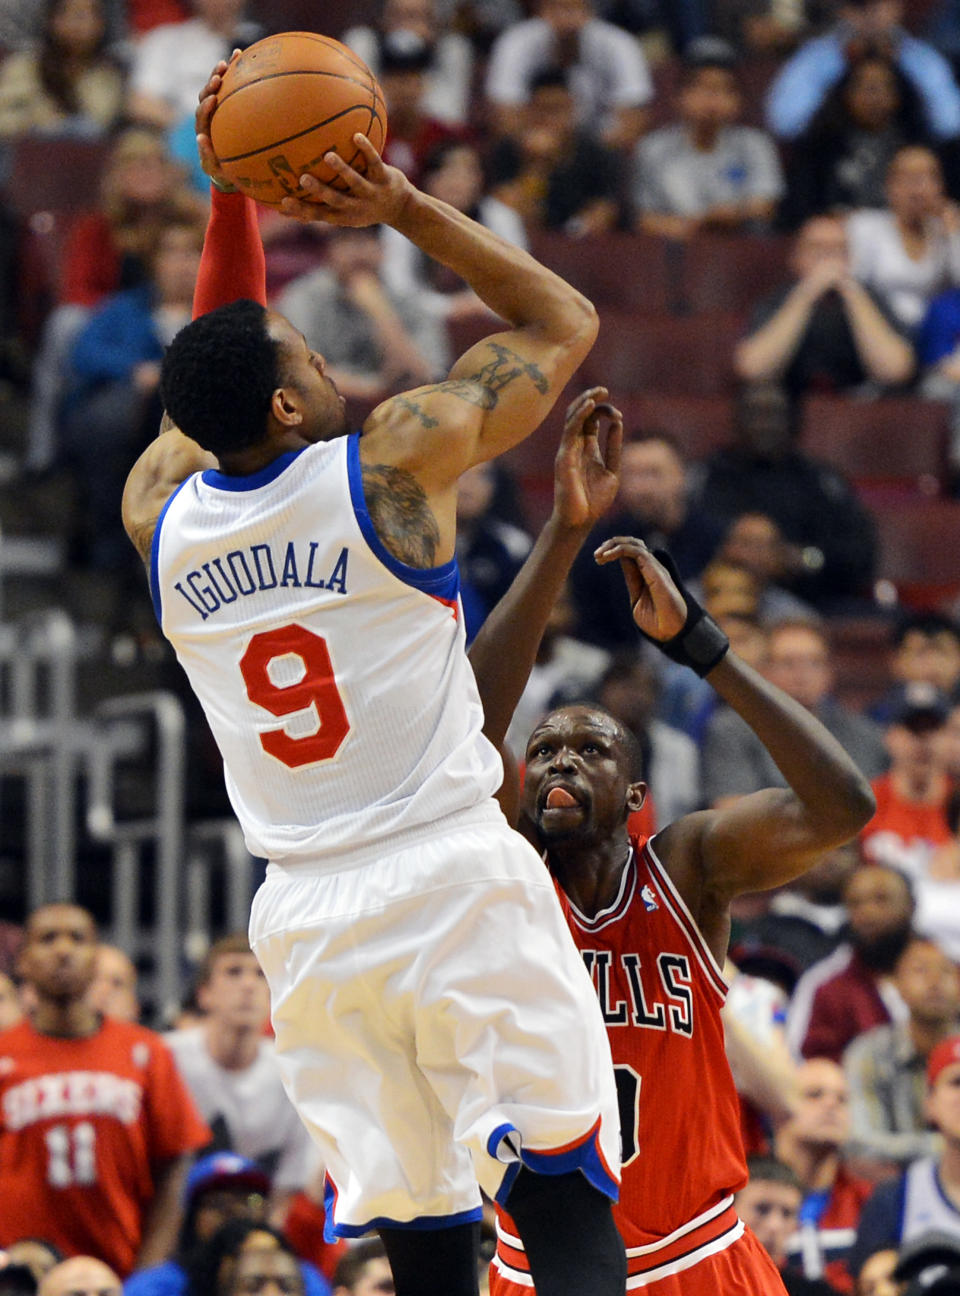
x: 96, y: 1126
x: 651, y: 918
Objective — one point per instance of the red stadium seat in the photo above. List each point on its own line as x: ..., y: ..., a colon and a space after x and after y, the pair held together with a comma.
x: 920, y: 549
x: 332, y: 18
x: 627, y: 271
x: 732, y: 271
x: 55, y: 174
x: 698, y: 424
x: 898, y: 443
x: 860, y: 654
x: 683, y: 356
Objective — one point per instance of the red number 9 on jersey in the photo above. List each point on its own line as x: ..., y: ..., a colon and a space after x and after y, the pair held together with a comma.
x: 316, y: 688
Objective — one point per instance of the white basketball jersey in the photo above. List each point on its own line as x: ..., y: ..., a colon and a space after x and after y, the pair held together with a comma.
x: 334, y: 677
x: 925, y: 1206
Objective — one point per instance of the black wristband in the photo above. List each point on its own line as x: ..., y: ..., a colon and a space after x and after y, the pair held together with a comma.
x: 701, y: 643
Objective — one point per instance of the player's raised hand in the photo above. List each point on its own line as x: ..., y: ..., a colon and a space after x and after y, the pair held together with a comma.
x: 586, y: 478
x: 376, y: 197
x: 658, y: 606
x: 205, y: 108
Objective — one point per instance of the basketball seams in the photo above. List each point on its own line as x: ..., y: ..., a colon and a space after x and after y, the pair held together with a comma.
x: 288, y: 72
x: 275, y: 144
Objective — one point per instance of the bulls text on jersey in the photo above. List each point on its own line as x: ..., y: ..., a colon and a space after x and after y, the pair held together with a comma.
x: 666, y: 1004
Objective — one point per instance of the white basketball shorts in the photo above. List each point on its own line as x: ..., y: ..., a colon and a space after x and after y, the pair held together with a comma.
x: 435, y: 1026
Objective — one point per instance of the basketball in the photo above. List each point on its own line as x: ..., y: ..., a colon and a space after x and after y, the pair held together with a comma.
x: 283, y: 104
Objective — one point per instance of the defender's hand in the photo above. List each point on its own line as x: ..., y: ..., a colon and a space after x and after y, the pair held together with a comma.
x: 205, y: 109
x: 376, y: 198
x: 585, y: 477
x: 658, y: 606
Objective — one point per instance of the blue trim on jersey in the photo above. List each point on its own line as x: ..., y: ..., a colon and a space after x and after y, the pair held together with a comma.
x: 938, y: 1184
x: 585, y: 1157
x: 332, y: 1231
x: 251, y: 481
x: 155, y: 556
x: 439, y: 582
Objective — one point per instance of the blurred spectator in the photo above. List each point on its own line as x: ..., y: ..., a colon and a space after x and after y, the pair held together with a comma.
x: 825, y: 331
x: 490, y: 550
x: 876, y: 1276
x: 364, y: 1271
x: 831, y: 534
x: 761, y: 27
x: 566, y: 669
x: 798, y: 661
x: 886, y: 1066
x: 770, y: 1206
x: 453, y: 173
x: 763, y: 1070
x: 682, y: 20
x: 96, y: 1124
x: 449, y: 74
x: 840, y: 161
x: 373, y: 341
x: 755, y: 545
x: 911, y: 821
x: 259, y: 1271
x: 943, y: 29
x: 852, y: 989
x: 114, y: 410
x: 35, y: 1255
x: 863, y: 26
x: 925, y: 649
x: 10, y: 1007
x: 812, y: 1144
x: 605, y: 68
x: 550, y: 171
x: 82, y: 1275
x: 106, y: 250
x: 628, y: 690
x: 802, y: 924
x: 171, y: 61
x: 654, y: 504
x: 910, y: 251
x: 926, y: 1195
x: 231, y: 1071
x: 70, y: 85
x: 218, y: 1259
x: 705, y: 172
x: 113, y: 990
x: 220, y: 1187
x: 414, y: 133
x: 21, y: 24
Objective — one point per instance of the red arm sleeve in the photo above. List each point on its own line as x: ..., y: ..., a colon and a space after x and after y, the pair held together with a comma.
x: 233, y: 264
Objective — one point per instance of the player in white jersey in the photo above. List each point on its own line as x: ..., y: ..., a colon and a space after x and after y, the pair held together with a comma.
x: 435, y: 1026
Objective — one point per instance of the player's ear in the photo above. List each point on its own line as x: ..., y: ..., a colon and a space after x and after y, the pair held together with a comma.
x: 285, y: 408
x: 636, y: 795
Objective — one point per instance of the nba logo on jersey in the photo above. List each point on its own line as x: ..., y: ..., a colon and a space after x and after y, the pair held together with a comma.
x: 649, y: 900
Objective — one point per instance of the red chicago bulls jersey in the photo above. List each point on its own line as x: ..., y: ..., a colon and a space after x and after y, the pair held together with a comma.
x: 661, y: 992
x: 83, y: 1124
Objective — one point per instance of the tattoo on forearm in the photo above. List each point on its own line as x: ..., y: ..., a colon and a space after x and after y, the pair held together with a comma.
x: 413, y: 408
x: 401, y: 515
x: 483, y: 388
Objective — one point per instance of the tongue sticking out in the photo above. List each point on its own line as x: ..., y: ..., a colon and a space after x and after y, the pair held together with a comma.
x: 559, y: 798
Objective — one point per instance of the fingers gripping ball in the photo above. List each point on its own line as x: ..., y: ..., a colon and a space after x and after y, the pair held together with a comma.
x: 284, y: 103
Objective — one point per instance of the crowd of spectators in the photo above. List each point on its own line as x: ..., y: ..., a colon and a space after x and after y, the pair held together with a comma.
x: 829, y: 132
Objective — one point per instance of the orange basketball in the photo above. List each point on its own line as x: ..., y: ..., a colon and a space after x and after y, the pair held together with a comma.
x: 284, y: 103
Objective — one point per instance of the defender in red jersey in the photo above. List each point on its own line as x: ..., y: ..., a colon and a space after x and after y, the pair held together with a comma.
x: 652, y: 918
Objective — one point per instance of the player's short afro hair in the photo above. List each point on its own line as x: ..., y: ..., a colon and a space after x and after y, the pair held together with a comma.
x: 218, y: 376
